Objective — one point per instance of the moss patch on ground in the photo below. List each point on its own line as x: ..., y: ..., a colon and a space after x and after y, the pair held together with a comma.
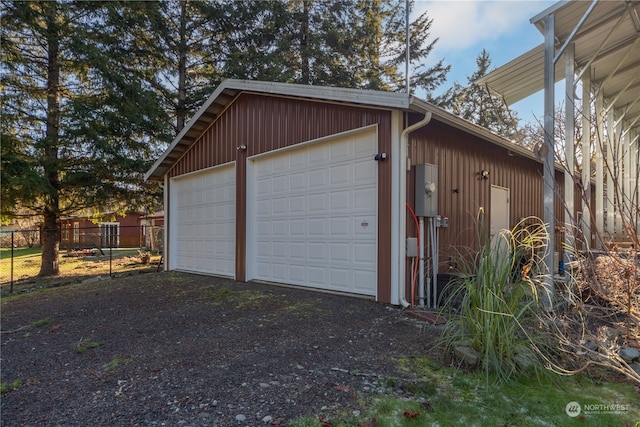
x: 449, y: 397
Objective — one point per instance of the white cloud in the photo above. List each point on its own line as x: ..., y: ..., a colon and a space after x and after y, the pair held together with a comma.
x: 462, y: 24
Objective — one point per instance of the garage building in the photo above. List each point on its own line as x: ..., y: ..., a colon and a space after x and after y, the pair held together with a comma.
x: 310, y: 186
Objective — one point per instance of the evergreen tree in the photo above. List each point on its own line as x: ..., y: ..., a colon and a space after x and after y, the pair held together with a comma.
x: 251, y: 50
x: 92, y: 91
x: 476, y: 104
x: 343, y: 43
x: 319, y: 42
x: 79, y: 117
x: 186, y: 43
x: 381, y: 47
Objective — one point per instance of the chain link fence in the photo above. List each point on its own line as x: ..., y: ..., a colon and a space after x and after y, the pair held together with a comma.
x: 86, y: 253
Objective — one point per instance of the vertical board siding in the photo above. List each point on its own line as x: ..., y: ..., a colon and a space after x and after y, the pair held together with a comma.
x: 265, y: 123
x: 460, y: 157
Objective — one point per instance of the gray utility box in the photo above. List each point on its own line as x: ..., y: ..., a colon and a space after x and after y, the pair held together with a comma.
x: 426, y: 190
x: 412, y: 247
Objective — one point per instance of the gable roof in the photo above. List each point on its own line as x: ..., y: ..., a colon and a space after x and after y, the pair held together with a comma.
x: 229, y: 89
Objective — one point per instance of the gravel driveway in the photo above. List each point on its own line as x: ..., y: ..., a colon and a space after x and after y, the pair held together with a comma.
x: 178, y: 349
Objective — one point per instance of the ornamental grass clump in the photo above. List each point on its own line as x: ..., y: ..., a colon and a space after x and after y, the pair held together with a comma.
x: 498, y: 303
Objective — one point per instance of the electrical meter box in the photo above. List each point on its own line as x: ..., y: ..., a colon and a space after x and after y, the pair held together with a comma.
x: 426, y: 190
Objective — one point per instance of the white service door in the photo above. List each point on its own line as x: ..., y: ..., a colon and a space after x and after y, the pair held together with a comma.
x: 312, y: 215
x: 499, y: 209
x: 500, y: 243
x: 203, y: 222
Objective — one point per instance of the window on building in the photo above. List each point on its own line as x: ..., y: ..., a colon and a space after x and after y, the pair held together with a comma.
x: 65, y: 233
x: 109, y: 234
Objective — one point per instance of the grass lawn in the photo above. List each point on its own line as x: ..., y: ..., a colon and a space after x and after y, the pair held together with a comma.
x: 26, y: 265
x: 450, y: 397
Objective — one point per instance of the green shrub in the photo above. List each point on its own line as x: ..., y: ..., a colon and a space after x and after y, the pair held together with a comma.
x: 499, y: 309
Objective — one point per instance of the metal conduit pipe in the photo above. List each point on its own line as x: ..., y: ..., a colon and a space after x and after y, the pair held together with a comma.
x: 433, y: 290
x: 431, y: 281
x: 402, y: 163
x: 421, y: 268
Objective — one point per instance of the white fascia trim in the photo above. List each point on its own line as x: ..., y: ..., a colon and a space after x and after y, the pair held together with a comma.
x: 167, y: 224
x: 356, y: 96
x: 398, y: 196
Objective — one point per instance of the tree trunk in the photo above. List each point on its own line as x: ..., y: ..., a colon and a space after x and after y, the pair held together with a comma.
x: 50, y: 238
x: 181, y: 107
x: 305, y: 58
x: 50, y: 246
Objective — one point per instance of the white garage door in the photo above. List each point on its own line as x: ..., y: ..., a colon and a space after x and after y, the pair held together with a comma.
x: 312, y: 215
x: 202, y: 222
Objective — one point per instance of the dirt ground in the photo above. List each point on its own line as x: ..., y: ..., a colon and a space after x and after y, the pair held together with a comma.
x: 176, y: 349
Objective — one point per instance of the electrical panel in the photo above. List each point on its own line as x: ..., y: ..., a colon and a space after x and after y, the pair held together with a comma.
x: 426, y: 190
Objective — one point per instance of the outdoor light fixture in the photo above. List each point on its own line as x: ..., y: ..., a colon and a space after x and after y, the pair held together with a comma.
x: 242, y: 147
x: 380, y: 157
x: 484, y: 174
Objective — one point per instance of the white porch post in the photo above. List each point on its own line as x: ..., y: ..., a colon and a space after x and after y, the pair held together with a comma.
x: 611, y: 168
x: 600, y: 193
x: 586, y: 158
x: 625, y: 204
x: 634, y: 148
x: 569, y: 151
x: 549, y: 165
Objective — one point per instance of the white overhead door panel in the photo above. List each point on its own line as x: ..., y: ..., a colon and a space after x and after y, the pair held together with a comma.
x: 202, y: 222
x: 312, y: 214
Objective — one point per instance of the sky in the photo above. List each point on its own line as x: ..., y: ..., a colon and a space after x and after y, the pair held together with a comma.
x: 502, y: 28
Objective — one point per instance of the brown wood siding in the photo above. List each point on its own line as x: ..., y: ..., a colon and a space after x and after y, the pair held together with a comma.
x: 265, y: 123
x: 89, y: 232
x: 462, y: 192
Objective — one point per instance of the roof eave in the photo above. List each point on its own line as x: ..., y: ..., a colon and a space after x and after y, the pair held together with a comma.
x: 157, y: 171
x: 233, y: 87
x: 450, y: 119
x: 548, y: 11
